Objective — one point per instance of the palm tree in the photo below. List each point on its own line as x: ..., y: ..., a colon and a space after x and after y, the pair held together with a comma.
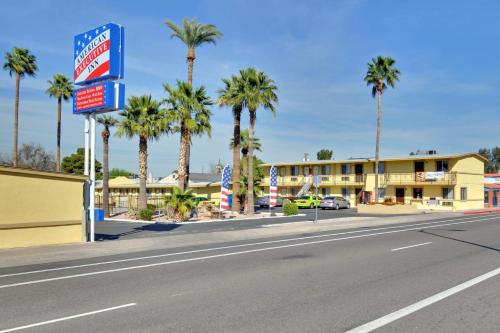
x: 230, y: 96
x: 108, y: 122
x: 187, y: 108
x: 380, y: 74
x: 243, y: 182
x: 142, y: 117
x: 21, y: 63
x: 244, y: 144
x: 181, y: 203
x: 62, y: 88
x: 258, y: 91
x: 193, y: 34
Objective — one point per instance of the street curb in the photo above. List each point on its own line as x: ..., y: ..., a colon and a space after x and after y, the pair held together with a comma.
x: 482, y: 212
x: 197, y: 222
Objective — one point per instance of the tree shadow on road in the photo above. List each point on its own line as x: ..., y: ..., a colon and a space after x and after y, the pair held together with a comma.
x: 460, y: 240
x: 156, y: 227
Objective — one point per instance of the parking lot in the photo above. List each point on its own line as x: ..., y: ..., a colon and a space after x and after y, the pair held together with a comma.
x: 113, y: 230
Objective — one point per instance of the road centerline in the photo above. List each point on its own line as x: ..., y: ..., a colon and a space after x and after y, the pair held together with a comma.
x: 410, y: 246
x: 85, y: 314
x: 391, y: 317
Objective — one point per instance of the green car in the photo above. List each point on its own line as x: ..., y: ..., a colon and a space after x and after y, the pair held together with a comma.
x: 307, y: 201
x: 201, y: 201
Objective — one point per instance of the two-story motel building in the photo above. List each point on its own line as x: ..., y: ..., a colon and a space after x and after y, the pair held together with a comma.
x: 433, y: 182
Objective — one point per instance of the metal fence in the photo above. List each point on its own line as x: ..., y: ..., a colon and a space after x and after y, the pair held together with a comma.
x: 124, y: 203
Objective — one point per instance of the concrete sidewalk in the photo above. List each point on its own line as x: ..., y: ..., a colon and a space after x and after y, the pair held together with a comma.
x: 67, y: 252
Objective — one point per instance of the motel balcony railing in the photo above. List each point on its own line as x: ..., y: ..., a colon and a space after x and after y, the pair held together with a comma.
x: 419, y: 178
x: 391, y: 178
x: 326, y: 180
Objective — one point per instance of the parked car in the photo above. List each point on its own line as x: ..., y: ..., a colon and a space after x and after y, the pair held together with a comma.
x: 263, y: 202
x: 202, y: 201
x: 334, y: 203
x: 307, y: 201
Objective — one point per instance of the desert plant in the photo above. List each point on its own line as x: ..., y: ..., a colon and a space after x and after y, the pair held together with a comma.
x: 180, y: 204
x: 146, y: 214
x: 290, y: 208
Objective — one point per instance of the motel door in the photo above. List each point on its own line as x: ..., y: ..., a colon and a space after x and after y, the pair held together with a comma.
x: 400, y: 195
x: 358, y: 171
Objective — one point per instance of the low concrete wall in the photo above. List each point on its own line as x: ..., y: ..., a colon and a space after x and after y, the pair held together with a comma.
x: 386, y: 209
x: 39, y: 208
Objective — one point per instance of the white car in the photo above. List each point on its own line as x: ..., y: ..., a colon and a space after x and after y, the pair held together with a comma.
x: 334, y: 203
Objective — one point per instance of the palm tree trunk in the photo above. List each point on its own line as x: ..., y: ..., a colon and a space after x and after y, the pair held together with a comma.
x: 188, y: 160
x: 377, y: 143
x: 190, y: 63
x: 244, y: 162
x: 105, y: 172
x: 183, y: 155
x: 236, y: 160
x: 15, y: 158
x: 58, y: 151
x: 251, y: 129
x: 143, y: 170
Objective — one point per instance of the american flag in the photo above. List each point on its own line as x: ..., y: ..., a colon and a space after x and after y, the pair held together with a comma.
x: 224, y: 189
x: 273, y: 187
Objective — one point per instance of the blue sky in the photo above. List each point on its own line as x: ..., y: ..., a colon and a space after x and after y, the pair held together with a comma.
x: 316, y: 51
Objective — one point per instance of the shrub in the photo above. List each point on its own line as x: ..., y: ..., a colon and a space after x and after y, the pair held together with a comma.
x: 146, y: 214
x: 180, y: 204
x: 290, y: 208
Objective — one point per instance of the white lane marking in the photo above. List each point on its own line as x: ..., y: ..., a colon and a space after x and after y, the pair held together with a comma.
x: 68, y: 318
x: 382, y: 321
x: 214, y: 256
x: 473, y: 218
x: 410, y: 246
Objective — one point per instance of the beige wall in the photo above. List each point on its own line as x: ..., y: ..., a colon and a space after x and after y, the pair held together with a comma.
x: 39, y: 207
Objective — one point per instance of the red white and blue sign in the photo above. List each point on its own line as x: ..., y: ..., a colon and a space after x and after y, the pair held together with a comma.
x: 101, y: 97
x: 98, y: 54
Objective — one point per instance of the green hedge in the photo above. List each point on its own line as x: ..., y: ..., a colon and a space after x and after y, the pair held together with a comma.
x: 146, y: 214
x: 290, y: 208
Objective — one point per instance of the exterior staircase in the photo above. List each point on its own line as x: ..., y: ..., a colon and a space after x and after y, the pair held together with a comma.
x: 305, y: 188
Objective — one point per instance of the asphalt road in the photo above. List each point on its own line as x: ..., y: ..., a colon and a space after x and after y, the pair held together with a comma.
x: 126, y: 230
x: 434, y: 276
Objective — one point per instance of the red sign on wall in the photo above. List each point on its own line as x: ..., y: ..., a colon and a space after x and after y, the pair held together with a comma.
x: 90, y: 97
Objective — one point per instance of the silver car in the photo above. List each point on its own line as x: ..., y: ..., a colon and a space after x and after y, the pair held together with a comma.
x: 334, y: 203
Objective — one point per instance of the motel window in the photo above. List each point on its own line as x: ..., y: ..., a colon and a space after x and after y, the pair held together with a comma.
x: 381, y: 193
x: 325, y: 192
x: 295, y: 170
x: 315, y: 170
x: 282, y: 172
x: 294, y: 191
x: 325, y: 170
x: 418, y: 193
x: 448, y: 193
x: 442, y: 166
x: 346, y: 192
x: 463, y: 193
x: 345, y: 169
x: 307, y: 171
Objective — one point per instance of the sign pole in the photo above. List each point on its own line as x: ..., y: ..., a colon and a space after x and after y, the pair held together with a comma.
x: 92, y: 177
x: 86, y: 173
x: 316, y: 208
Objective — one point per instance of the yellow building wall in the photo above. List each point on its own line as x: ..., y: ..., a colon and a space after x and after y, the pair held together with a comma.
x: 39, y: 207
x: 465, y: 171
